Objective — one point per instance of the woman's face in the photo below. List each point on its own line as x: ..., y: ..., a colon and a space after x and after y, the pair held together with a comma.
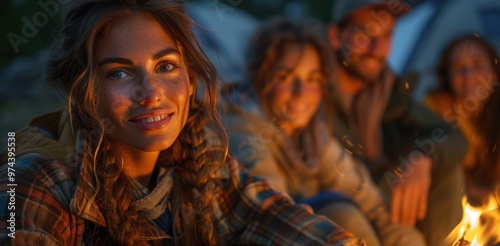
x: 297, y: 92
x: 145, y: 84
x: 471, y: 72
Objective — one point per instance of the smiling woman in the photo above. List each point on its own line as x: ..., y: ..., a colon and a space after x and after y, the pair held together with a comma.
x: 468, y: 73
x: 137, y: 158
x: 145, y: 90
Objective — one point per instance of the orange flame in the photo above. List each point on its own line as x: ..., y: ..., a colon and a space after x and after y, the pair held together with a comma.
x: 479, y: 225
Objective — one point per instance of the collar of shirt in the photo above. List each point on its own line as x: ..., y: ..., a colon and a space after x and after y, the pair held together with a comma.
x: 152, y: 204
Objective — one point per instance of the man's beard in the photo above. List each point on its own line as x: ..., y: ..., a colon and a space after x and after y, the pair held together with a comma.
x: 355, y: 71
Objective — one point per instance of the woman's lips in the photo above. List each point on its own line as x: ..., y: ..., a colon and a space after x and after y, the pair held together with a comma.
x: 152, y: 123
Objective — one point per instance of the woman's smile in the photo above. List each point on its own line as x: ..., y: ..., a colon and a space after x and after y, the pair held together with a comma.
x: 152, y: 121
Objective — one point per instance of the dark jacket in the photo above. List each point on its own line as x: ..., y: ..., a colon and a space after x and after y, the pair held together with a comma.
x: 406, y: 126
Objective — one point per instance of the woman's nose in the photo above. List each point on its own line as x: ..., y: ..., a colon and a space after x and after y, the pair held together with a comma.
x: 298, y: 86
x: 149, y: 91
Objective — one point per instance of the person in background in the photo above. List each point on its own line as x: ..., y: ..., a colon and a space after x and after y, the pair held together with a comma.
x: 468, y: 74
x: 411, y: 152
x: 277, y: 129
x: 137, y: 158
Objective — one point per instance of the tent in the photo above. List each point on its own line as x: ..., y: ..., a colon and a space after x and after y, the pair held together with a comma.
x: 422, y: 34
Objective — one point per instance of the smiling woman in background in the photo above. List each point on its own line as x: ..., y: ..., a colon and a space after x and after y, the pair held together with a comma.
x: 468, y: 75
x: 277, y: 129
x: 137, y: 159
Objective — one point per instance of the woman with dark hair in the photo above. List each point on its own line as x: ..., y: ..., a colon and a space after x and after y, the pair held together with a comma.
x: 276, y: 127
x: 468, y: 75
x: 137, y: 158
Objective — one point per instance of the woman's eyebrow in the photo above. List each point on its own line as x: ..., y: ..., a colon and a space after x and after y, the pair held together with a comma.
x: 165, y: 52
x: 114, y: 60
x: 125, y: 61
x: 282, y: 67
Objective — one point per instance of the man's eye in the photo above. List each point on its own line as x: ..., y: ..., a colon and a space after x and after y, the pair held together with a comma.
x: 117, y: 75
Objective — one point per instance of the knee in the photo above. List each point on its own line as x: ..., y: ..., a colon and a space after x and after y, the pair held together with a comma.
x: 352, y: 219
x: 343, y: 213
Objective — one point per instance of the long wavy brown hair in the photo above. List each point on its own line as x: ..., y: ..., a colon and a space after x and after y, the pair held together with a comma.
x: 72, y: 69
x: 266, y: 48
x: 269, y: 44
x: 488, y: 126
x: 488, y: 122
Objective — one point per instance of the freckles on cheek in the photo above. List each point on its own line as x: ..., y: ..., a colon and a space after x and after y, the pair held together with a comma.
x: 317, y: 92
x: 113, y: 104
x: 455, y: 84
x: 271, y: 97
x: 179, y: 89
x: 117, y: 106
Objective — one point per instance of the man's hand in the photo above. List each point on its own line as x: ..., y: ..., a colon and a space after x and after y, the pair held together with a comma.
x: 410, y: 195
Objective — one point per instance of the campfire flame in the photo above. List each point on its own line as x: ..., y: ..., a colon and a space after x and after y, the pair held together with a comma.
x: 480, y: 226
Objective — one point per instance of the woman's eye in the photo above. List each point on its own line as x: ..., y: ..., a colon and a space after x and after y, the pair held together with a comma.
x: 117, y: 75
x: 318, y: 79
x: 315, y: 81
x: 281, y: 77
x: 166, y: 67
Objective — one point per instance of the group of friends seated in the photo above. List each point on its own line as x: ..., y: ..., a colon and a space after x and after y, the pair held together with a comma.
x: 322, y: 144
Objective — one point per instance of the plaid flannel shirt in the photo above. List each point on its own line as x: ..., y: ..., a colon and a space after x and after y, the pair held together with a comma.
x: 50, y: 209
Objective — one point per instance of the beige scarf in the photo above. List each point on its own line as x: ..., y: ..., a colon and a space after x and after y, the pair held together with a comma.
x: 364, y: 113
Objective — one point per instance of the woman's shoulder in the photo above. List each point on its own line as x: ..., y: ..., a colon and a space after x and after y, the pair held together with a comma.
x: 36, y: 171
x: 34, y: 164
